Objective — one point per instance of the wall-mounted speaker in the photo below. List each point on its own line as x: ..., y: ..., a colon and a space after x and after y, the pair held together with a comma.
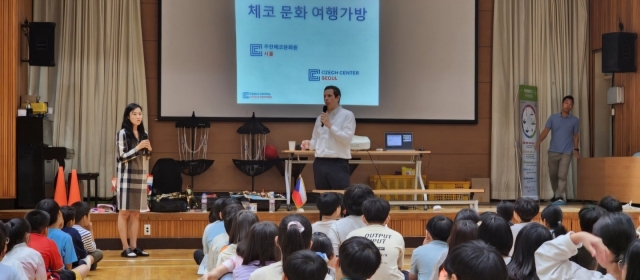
x: 618, y: 52
x: 41, y: 43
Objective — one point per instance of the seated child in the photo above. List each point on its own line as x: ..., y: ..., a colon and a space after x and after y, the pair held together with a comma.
x: 330, y: 210
x: 467, y: 214
x: 293, y: 235
x: 610, y: 203
x: 552, y: 219
x: 426, y: 259
x: 321, y: 244
x: 221, y: 240
x: 69, y: 220
x: 359, y: 258
x: 611, y: 237
x: 354, y: 196
x: 38, y: 221
x: 213, y: 229
x: 61, y: 238
x: 258, y: 249
x: 19, y: 255
x: 242, y: 222
x: 6, y: 271
x: 474, y: 260
x: 495, y: 231
x: 390, y: 242
x: 525, y: 210
x: 588, y: 216
x: 85, y: 228
x: 305, y: 264
x: 505, y: 210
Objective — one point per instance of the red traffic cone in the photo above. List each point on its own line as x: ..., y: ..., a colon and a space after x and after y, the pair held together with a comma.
x: 60, y: 195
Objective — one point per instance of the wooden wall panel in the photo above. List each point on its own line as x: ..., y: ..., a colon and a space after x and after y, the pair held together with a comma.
x: 8, y: 87
x: 460, y: 152
x: 604, y: 17
x: 13, y: 82
x: 409, y: 223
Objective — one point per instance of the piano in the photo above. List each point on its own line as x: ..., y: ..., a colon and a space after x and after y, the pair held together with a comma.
x: 35, y: 167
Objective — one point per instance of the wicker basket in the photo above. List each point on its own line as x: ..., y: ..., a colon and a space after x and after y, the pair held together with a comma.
x: 395, y: 182
x: 439, y: 185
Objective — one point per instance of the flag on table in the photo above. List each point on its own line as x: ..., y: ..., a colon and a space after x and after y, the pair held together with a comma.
x: 149, y: 183
x: 299, y: 194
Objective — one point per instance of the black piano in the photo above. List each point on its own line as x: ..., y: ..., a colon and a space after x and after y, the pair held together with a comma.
x: 34, y: 137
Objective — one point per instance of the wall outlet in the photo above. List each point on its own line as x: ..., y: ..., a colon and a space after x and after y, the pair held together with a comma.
x: 147, y: 229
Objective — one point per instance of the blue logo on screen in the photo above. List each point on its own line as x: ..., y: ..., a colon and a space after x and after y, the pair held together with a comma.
x: 314, y: 75
x: 255, y: 49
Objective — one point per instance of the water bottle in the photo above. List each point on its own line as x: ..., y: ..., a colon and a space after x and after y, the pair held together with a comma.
x: 203, y: 203
x: 29, y: 109
x: 272, y: 203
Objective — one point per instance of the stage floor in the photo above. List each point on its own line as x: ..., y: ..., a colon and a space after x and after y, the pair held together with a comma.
x: 184, y: 230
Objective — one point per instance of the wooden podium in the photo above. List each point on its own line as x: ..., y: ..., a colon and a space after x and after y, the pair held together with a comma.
x: 615, y: 176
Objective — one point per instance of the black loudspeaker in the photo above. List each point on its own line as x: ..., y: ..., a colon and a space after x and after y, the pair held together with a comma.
x: 618, y: 52
x: 41, y: 38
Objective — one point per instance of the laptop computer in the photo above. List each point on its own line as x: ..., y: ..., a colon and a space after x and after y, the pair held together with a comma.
x: 394, y: 141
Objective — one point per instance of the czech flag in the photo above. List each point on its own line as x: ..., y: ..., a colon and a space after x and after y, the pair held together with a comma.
x: 299, y: 194
x: 149, y: 183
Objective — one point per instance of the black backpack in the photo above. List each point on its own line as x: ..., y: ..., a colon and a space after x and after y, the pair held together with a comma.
x: 167, y: 177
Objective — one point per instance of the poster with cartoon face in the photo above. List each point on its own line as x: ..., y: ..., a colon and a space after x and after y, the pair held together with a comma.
x: 529, y: 121
x: 528, y: 138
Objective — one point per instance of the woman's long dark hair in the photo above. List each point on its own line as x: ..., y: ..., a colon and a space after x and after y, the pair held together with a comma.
x: 523, y: 262
x: 552, y: 215
x: 127, y: 125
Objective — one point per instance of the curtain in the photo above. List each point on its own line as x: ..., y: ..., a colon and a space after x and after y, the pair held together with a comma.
x: 100, y: 71
x: 543, y: 44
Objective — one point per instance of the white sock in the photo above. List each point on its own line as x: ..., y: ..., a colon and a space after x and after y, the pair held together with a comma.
x: 88, y: 259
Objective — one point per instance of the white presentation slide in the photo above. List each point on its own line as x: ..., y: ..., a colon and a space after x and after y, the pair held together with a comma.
x: 394, y: 140
x: 393, y: 60
x: 287, y: 49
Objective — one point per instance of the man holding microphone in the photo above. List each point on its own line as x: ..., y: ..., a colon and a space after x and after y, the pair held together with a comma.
x: 331, y: 140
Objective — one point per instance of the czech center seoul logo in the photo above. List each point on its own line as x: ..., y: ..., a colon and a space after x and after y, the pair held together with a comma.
x: 255, y: 49
x: 329, y: 75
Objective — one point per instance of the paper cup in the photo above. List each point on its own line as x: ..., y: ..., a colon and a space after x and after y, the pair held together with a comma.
x: 292, y: 145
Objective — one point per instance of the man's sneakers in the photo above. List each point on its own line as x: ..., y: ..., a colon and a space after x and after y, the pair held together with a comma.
x: 559, y: 202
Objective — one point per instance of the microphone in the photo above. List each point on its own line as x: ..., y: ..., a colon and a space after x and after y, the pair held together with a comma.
x: 144, y: 151
x: 324, y: 110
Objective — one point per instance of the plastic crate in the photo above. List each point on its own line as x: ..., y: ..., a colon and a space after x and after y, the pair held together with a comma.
x: 439, y: 185
x: 395, y: 182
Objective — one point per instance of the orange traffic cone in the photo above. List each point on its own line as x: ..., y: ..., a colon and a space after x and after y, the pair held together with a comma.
x: 74, y: 189
x: 60, y: 195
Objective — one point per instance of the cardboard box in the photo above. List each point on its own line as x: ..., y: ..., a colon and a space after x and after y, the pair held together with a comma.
x: 485, y: 184
x: 30, y: 98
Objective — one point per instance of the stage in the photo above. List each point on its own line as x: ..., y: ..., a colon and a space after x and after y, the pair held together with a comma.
x: 184, y: 230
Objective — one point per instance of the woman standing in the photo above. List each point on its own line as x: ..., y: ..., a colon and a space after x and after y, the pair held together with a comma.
x: 133, y: 156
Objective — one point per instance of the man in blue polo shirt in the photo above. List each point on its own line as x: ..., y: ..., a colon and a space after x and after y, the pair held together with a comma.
x: 565, y: 137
